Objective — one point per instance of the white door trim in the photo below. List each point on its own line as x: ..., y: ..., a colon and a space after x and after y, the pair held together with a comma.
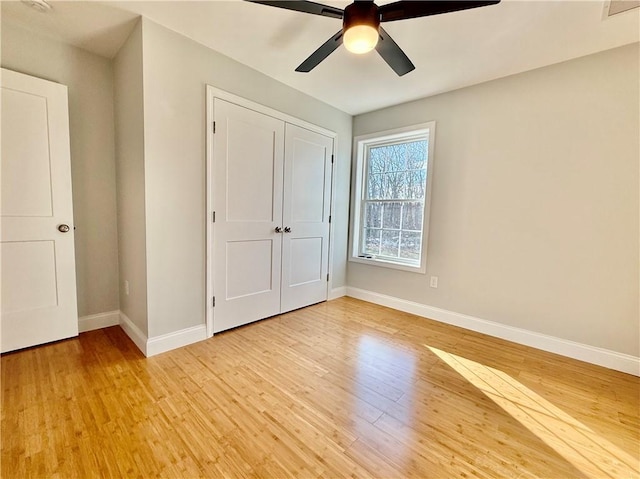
x: 211, y: 94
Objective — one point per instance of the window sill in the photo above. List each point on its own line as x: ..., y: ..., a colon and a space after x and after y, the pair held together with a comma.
x: 388, y: 264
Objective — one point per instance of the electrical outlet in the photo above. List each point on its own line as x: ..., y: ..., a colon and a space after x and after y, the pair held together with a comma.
x: 126, y: 287
x: 433, y: 282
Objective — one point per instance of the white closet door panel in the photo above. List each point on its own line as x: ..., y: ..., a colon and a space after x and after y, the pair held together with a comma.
x: 250, y: 169
x: 28, y: 275
x: 248, y: 156
x: 26, y: 173
x: 38, y: 264
x: 306, y: 258
x: 307, y: 199
x: 307, y: 183
x: 252, y: 271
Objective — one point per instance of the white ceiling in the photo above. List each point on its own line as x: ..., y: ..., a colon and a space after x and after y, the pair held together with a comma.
x: 450, y: 51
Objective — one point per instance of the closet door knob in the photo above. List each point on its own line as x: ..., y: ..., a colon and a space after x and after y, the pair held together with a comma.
x: 287, y: 229
x: 278, y: 229
x: 63, y: 228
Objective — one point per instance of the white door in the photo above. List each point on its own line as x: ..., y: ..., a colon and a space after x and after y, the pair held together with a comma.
x: 36, y: 246
x: 248, y: 150
x: 307, y: 200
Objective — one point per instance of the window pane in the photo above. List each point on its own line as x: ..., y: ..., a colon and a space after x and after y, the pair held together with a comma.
x: 374, y: 186
x: 387, y: 186
x: 410, y: 245
x: 372, y: 242
x: 373, y: 215
x: 415, y: 184
x: 377, y: 162
x: 412, y: 214
x: 392, y: 214
x: 397, y: 171
x: 417, y: 155
x: 395, y: 185
x: 389, y: 244
x: 393, y: 157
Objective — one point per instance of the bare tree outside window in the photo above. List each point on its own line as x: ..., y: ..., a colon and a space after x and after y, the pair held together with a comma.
x: 396, y: 180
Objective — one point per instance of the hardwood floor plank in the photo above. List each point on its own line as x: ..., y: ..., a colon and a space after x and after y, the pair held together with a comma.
x: 339, y: 389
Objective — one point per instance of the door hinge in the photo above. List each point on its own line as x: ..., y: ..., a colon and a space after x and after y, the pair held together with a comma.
x: 214, y: 127
x: 332, y: 159
x: 327, y: 276
x: 329, y: 218
x: 213, y: 302
x: 213, y: 217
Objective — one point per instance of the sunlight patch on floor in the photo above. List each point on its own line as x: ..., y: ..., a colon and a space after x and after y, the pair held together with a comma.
x: 589, y: 452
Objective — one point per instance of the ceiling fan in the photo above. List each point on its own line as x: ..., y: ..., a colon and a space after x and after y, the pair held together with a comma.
x: 361, y: 31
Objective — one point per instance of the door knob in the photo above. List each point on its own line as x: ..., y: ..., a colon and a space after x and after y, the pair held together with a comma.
x: 287, y: 229
x: 63, y: 228
x: 278, y: 229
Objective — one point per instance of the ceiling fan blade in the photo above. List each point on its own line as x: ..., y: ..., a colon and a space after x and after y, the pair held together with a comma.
x: 412, y: 9
x: 305, y: 7
x: 393, y: 54
x: 321, y: 53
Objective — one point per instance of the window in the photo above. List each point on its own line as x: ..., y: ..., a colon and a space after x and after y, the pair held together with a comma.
x: 391, y: 208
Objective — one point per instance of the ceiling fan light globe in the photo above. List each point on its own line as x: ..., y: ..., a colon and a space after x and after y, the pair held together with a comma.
x: 360, y: 38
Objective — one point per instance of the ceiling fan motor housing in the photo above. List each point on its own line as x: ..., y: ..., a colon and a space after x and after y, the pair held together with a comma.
x: 361, y: 13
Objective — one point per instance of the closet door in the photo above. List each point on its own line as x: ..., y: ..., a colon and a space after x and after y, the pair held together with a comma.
x: 307, y: 200
x: 248, y: 153
x: 38, y: 264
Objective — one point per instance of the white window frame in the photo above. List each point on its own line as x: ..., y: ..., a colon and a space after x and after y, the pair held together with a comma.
x: 360, y: 147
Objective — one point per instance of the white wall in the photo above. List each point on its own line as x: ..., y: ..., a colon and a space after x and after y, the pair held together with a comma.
x: 176, y: 71
x: 130, y: 179
x: 534, y: 220
x: 90, y: 82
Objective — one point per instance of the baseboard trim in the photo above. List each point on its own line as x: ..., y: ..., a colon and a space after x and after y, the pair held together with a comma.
x: 583, y: 352
x: 134, y: 333
x: 336, y: 293
x: 165, y: 342
x: 177, y: 339
x: 98, y: 321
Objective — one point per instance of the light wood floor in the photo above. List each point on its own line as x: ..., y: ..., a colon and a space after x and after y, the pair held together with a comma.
x: 340, y: 389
